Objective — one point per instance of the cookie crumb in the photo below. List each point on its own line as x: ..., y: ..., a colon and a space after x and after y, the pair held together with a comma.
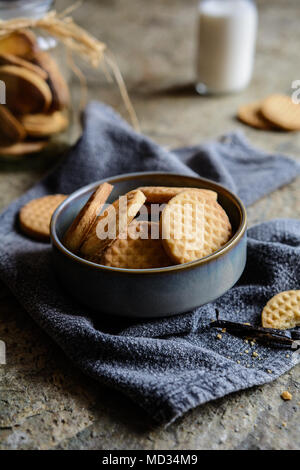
x: 224, y: 330
x: 219, y: 336
x: 254, y: 354
x: 246, y: 351
x: 287, y: 355
x: 284, y: 424
x: 269, y: 371
x: 286, y: 395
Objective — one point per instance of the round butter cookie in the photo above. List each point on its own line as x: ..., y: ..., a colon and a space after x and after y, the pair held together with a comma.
x: 282, y: 312
x: 281, y: 111
x: 193, y: 227
x: 35, y: 216
x: 251, y: 114
x: 162, y: 194
x: 139, y: 250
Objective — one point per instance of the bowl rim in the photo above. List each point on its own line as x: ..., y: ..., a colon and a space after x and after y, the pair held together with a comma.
x: 176, y: 268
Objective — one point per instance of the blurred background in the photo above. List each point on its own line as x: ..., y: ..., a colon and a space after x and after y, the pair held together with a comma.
x: 155, y: 45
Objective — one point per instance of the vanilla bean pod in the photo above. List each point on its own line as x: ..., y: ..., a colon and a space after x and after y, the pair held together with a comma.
x: 267, y: 336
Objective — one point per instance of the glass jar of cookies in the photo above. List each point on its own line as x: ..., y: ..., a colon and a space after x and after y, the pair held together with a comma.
x: 35, y: 109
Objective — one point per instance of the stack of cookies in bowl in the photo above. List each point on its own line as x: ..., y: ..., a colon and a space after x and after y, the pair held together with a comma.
x: 149, y: 227
x: 143, y: 244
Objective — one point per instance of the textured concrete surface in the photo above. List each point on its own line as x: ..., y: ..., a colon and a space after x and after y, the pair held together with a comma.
x: 45, y: 403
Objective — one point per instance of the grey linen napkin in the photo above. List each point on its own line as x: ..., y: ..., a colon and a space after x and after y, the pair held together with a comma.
x: 169, y: 365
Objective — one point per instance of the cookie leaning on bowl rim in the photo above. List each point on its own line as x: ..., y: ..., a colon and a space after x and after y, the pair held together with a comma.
x: 140, y: 250
x: 35, y: 216
x: 116, y: 217
x: 193, y: 226
x: 86, y: 217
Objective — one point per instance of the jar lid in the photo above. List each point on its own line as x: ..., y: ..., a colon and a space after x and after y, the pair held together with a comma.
x: 24, y: 8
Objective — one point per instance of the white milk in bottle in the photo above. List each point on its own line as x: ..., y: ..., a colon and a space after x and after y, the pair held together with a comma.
x: 226, y: 45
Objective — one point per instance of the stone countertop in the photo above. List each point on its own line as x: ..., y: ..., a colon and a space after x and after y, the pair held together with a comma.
x: 46, y: 403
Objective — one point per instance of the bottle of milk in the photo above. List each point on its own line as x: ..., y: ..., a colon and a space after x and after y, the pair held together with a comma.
x: 226, y: 45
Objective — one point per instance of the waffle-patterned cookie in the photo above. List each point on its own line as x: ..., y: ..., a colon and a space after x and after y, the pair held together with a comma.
x: 251, y: 114
x: 112, y: 223
x: 281, y: 111
x: 138, y: 250
x: 193, y: 226
x: 84, y: 220
x: 162, y: 194
x: 35, y: 216
x: 282, y: 311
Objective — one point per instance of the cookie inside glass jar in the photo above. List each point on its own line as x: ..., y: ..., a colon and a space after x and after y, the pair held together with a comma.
x: 35, y: 100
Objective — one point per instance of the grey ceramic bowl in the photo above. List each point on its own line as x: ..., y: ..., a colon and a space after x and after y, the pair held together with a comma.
x: 149, y: 292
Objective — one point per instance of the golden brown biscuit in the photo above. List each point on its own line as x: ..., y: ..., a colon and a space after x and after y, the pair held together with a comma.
x: 139, y: 250
x: 9, y: 59
x: 282, y: 112
x: 44, y: 125
x: 85, y: 219
x: 11, y: 130
x: 193, y: 227
x: 282, y: 312
x: 26, y: 92
x: 56, y: 82
x: 162, y: 194
x: 251, y: 114
x: 20, y: 43
x: 112, y: 223
x: 23, y: 148
x: 35, y: 216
